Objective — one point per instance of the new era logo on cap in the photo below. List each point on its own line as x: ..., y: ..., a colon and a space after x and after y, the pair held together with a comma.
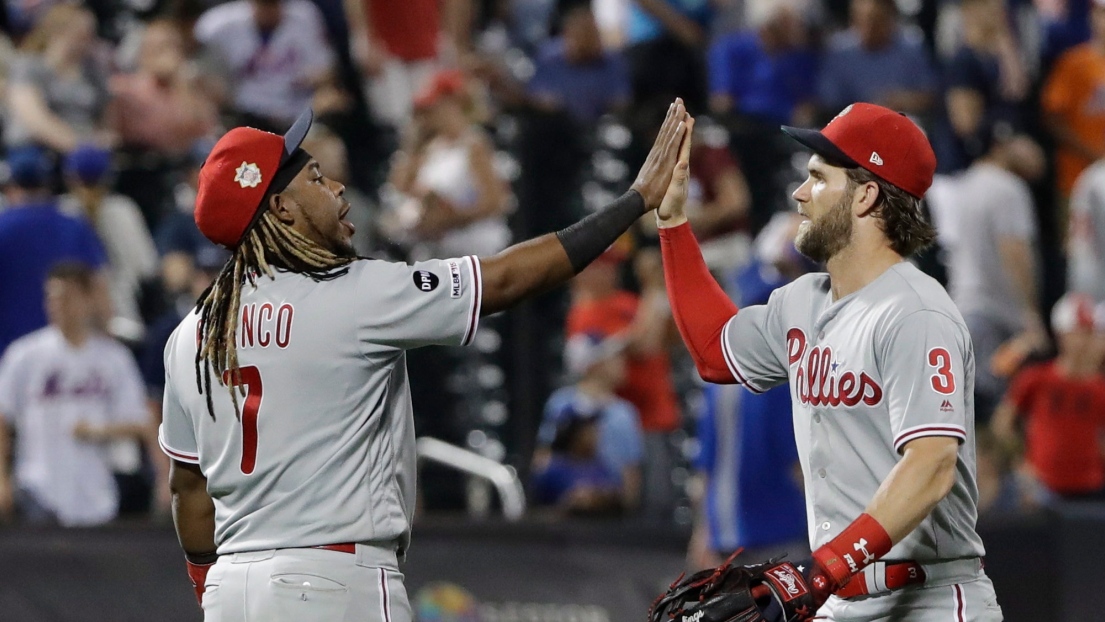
x: 886, y: 143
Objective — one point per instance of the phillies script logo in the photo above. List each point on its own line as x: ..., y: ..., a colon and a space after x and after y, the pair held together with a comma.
x: 785, y: 578
x: 817, y: 381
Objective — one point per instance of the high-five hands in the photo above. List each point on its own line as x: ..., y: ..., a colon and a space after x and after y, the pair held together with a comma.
x: 670, y: 213
x: 654, y: 179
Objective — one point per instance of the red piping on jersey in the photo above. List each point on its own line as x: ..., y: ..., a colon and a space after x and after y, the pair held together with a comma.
x: 477, y: 297
x: 731, y: 359
x: 930, y: 430
x: 179, y: 455
x: 699, y: 305
x: 385, y: 596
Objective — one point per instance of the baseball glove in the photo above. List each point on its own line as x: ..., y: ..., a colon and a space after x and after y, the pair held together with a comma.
x: 773, y: 591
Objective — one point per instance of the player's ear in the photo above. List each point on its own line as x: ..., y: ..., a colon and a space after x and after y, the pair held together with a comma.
x: 280, y: 206
x: 866, y: 199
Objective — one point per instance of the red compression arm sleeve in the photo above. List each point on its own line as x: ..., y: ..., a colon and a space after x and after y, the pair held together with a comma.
x: 699, y: 305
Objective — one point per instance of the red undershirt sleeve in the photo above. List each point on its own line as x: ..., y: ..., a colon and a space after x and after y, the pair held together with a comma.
x: 700, y: 307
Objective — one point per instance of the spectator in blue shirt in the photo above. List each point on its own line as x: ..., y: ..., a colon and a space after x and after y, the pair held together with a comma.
x: 573, y: 477
x: 877, y: 61
x: 747, y: 457
x: 574, y: 73
x: 34, y: 236
x: 768, y: 71
x: 597, y: 363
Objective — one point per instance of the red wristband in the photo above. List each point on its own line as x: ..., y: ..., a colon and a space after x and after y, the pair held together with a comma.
x: 198, y: 574
x: 854, y: 549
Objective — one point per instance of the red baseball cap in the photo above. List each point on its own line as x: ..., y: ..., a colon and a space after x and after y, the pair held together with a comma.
x: 1077, y: 311
x: 245, y: 167
x: 884, y: 142
x: 444, y: 83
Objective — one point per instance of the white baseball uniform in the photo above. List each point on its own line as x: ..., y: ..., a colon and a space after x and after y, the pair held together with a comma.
x: 868, y: 373
x: 324, y: 450
x: 1086, y: 249
x: 47, y: 387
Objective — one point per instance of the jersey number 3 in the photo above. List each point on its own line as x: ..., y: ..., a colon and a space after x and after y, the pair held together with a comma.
x: 250, y: 377
x: 943, y: 381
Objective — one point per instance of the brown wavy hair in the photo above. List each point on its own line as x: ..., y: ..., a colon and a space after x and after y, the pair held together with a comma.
x: 903, y: 221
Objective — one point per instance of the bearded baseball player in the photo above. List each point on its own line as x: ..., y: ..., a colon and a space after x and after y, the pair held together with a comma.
x: 881, y: 370
x: 287, y: 413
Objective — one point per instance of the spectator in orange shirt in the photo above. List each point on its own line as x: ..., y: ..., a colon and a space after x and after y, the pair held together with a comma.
x: 1073, y: 101
x: 1062, y: 403
x: 599, y: 306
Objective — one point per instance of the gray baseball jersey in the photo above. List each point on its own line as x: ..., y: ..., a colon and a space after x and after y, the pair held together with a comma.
x: 868, y: 373
x: 324, y: 450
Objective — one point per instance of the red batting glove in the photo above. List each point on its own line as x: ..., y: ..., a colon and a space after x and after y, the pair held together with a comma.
x: 854, y: 549
x: 198, y: 566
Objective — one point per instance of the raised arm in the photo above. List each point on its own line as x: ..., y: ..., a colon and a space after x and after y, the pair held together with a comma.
x: 699, y: 305
x: 194, y: 517
x: 540, y: 264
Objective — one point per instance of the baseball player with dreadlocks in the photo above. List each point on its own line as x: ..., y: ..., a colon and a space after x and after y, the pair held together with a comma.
x: 287, y: 413
x: 881, y: 371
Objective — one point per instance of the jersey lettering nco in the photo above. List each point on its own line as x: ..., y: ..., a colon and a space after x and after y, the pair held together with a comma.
x: 324, y: 450
x: 868, y: 373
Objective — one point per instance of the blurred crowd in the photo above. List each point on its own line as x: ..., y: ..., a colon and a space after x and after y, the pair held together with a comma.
x: 460, y: 126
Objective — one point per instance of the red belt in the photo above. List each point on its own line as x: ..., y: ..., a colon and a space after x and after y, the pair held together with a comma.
x: 345, y: 547
x: 895, y: 575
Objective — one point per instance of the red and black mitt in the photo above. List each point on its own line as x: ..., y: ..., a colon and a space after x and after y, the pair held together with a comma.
x: 773, y: 591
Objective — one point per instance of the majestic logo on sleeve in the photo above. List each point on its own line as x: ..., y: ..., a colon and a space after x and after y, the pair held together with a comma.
x: 819, y: 381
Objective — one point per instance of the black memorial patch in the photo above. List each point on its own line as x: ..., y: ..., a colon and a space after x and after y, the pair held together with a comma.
x: 426, y: 281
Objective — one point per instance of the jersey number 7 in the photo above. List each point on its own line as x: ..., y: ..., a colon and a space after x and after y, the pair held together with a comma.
x: 250, y: 377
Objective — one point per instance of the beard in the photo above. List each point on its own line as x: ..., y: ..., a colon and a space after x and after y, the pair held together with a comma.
x: 343, y: 249
x: 822, y: 238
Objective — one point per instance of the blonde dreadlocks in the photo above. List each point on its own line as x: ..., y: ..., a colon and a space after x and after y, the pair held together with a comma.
x: 269, y: 244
